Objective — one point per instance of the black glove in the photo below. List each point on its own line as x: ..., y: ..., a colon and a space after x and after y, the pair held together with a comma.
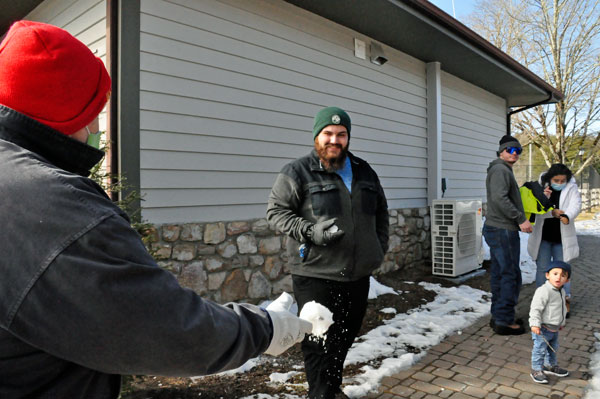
x: 325, y: 232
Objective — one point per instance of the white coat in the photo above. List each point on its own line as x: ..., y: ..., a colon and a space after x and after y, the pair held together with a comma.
x: 570, y: 203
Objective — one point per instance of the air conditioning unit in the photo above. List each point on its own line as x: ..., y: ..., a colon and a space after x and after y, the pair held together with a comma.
x: 456, y: 236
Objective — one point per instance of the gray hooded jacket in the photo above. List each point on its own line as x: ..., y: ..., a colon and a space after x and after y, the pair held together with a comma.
x: 504, y: 205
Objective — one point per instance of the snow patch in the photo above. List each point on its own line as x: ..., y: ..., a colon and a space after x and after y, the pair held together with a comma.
x: 397, y: 340
x: 281, y: 378
x: 376, y: 289
x: 593, y: 388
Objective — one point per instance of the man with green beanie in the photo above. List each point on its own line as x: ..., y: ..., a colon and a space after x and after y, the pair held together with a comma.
x: 332, y: 207
x: 504, y: 219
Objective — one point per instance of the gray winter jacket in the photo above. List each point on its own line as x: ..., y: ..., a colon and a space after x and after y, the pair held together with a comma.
x: 304, y: 193
x: 81, y: 300
x: 548, y: 307
x: 504, y: 205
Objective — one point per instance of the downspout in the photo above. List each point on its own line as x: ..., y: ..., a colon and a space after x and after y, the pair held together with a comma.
x: 112, y: 59
x: 508, y: 115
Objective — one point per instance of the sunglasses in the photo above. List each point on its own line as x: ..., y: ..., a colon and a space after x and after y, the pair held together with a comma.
x: 513, y: 150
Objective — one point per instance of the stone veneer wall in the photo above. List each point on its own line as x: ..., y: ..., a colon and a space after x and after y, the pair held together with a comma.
x: 246, y: 260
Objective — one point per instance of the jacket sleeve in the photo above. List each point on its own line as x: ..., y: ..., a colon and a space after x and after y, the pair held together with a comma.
x: 283, y: 208
x: 383, y: 220
x: 538, y: 303
x: 499, y: 184
x: 572, y: 205
x: 104, y: 303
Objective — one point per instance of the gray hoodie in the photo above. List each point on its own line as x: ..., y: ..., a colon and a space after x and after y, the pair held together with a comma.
x: 504, y: 205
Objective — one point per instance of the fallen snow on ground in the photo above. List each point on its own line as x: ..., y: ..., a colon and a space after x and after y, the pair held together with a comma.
x: 452, y: 310
x: 282, y: 377
x: 588, y: 227
x: 593, y: 388
x: 376, y: 289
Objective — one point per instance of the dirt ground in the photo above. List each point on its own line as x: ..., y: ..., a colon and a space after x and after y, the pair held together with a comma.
x: 257, y: 380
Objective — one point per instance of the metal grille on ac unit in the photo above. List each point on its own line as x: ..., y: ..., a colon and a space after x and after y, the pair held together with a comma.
x: 456, y: 236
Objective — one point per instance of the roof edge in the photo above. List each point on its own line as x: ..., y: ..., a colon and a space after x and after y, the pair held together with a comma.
x: 439, y: 16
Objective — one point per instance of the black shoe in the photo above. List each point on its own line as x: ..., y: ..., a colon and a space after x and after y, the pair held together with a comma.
x: 517, y: 321
x: 506, y: 330
x: 555, y: 370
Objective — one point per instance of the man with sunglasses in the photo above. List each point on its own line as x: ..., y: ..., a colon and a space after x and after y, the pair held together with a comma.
x: 505, y: 217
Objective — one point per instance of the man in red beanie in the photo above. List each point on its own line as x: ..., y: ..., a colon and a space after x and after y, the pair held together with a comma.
x: 81, y: 300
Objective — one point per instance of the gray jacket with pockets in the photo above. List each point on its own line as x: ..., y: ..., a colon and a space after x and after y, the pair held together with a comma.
x: 548, y: 307
x: 504, y: 205
x: 304, y: 193
x: 82, y: 301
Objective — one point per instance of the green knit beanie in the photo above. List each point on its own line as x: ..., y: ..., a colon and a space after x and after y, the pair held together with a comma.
x: 330, y: 116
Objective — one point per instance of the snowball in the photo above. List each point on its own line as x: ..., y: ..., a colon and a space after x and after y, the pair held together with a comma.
x: 320, y: 317
x: 333, y: 229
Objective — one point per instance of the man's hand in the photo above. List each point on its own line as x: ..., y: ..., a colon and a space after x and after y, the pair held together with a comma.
x: 526, y: 227
x: 325, y: 232
x: 288, y: 329
x: 536, y: 330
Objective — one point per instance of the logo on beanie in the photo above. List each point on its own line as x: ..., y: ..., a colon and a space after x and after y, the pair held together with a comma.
x: 336, y: 119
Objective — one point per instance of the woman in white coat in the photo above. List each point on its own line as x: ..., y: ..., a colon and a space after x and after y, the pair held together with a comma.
x: 554, y: 236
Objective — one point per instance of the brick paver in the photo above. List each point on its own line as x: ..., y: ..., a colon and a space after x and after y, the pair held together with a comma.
x: 481, y: 364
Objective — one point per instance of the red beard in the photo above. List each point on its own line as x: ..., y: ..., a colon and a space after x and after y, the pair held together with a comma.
x: 331, y: 163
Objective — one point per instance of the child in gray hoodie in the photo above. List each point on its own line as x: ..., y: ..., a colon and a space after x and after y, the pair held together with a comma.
x: 547, y: 315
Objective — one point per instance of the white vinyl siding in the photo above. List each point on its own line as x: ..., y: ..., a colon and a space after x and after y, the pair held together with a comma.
x: 228, y: 94
x: 84, y: 19
x: 473, y: 121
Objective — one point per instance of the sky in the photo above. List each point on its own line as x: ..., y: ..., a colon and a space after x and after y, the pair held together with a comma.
x: 452, y: 310
x: 461, y: 7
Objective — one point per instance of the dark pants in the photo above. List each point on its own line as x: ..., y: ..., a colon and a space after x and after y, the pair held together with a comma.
x: 505, y: 274
x: 324, y: 360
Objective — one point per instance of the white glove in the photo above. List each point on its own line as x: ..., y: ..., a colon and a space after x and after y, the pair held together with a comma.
x: 288, y: 329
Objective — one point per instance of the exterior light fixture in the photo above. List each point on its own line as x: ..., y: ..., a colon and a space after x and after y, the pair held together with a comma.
x: 377, y: 55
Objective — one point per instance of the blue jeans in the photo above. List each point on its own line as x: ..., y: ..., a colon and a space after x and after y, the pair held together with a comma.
x: 548, y: 252
x: 505, y: 274
x: 541, y: 354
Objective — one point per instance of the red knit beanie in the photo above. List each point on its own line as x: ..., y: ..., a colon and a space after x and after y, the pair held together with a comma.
x: 50, y: 76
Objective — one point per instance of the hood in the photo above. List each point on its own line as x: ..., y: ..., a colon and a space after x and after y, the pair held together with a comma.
x: 496, y: 162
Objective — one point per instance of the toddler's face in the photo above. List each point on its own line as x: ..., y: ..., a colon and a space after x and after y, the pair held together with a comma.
x: 557, y: 277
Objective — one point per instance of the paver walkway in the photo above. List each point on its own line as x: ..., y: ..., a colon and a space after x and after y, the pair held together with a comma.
x: 481, y: 364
